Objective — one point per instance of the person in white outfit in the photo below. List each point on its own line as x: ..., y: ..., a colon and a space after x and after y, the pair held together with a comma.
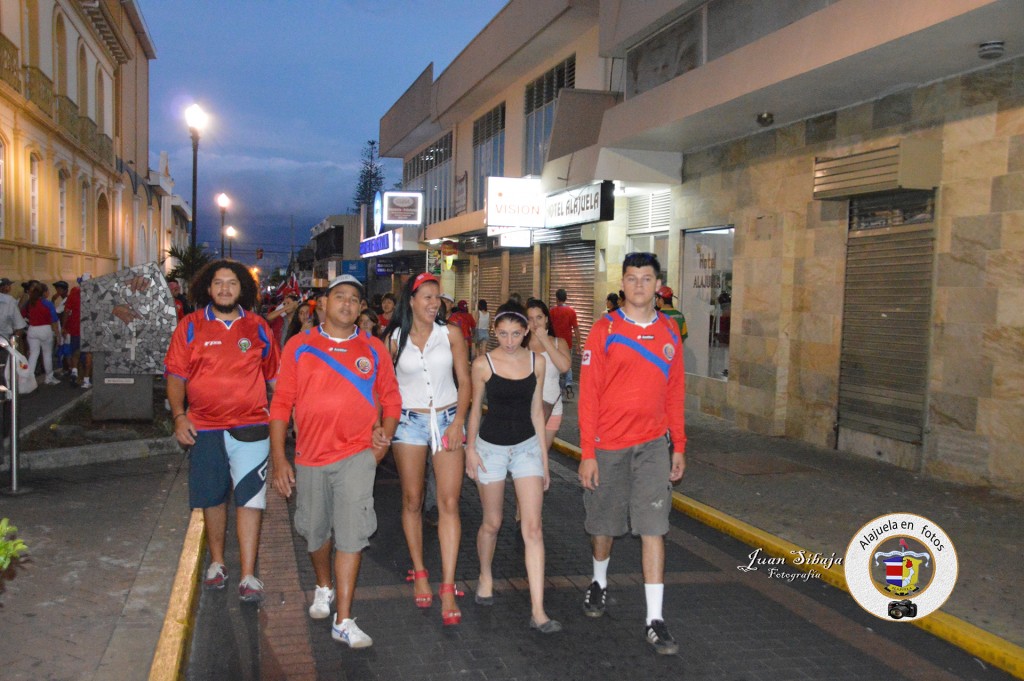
x: 42, y: 330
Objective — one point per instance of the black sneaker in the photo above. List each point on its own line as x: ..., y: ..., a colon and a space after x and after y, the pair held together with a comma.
x: 662, y: 641
x: 594, y: 601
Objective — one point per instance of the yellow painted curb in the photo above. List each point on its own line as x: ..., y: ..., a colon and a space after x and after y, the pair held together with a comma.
x: 976, y: 641
x: 172, y: 647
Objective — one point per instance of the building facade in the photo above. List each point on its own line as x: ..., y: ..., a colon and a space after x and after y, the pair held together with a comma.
x: 834, y: 188
x: 76, y: 192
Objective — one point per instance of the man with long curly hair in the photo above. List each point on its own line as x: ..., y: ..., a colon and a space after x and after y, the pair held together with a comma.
x: 222, y: 357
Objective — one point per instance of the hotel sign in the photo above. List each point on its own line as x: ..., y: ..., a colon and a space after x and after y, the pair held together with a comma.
x: 592, y: 203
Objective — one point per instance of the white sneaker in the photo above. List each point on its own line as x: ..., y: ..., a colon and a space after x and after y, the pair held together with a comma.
x: 349, y: 632
x: 50, y: 380
x: 86, y: 383
x: 322, y: 599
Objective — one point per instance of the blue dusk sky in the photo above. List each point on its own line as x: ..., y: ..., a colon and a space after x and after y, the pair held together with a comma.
x: 294, y: 89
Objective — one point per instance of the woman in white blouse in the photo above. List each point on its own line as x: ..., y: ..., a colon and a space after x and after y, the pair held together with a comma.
x: 429, y: 355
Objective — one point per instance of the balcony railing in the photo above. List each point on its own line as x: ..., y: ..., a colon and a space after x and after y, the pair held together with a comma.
x: 10, y: 72
x: 67, y: 114
x: 39, y: 89
x: 105, y: 148
x: 87, y: 132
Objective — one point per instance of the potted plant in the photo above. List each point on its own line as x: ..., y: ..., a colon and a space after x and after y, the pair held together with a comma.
x: 11, y: 547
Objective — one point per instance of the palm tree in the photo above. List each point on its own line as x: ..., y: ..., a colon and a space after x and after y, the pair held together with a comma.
x: 188, y: 260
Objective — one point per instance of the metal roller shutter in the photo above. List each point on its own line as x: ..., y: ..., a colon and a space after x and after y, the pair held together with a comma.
x: 886, y: 320
x: 489, y: 287
x: 571, y: 266
x: 520, y: 274
x: 463, y: 280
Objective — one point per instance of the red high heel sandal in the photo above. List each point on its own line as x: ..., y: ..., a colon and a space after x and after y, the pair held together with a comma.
x: 450, y: 617
x: 422, y: 600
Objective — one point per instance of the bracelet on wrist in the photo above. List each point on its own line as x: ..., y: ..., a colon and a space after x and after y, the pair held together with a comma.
x: 178, y: 416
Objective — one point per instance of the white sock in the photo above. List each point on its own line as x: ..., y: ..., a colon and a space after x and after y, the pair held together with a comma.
x: 601, y: 572
x: 655, y: 594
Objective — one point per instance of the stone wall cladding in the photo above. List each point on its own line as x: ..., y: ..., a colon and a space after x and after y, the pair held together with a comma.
x: 789, y: 267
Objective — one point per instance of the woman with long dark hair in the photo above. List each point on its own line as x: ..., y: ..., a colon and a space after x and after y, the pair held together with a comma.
x: 556, y: 356
x: 429, y: 355
x: 42, y: 330
x: 305, y: 318
x: 510, y: 440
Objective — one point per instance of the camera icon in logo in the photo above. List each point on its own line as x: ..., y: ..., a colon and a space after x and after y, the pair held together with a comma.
x: 900, y: 609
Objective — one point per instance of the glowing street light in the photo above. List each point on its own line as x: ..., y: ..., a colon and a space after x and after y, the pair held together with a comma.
x: 223, y: 201
x: 231, y: 233
x: 196, y: 119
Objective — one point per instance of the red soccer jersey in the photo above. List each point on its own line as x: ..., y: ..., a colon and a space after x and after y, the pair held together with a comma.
x: 563, y: 321
x: 73, y: 312
x: 226, y: 366
x: 335, y: 387
x: 632, y: 386
x: 464, y: 321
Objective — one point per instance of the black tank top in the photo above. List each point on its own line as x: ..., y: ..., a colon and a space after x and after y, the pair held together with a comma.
x: 507, y: 421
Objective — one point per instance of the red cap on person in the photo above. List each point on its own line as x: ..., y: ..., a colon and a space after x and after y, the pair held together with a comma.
x: 422, y: 278
x: 665, y: 293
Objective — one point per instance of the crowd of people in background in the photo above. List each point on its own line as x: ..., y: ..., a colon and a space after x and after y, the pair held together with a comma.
x: 45, y: 324
x: 357, y: 379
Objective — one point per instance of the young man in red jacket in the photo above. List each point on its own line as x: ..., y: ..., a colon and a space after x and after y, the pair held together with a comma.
x: 336, y: 378
x: 632, y: 434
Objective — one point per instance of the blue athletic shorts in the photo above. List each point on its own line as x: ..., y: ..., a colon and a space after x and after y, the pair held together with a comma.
x: 218, y: 462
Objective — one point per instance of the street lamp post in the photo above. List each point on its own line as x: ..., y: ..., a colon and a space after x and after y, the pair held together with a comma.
x: 196, y: 119
x: 223, y: 201
x: 231, y: 233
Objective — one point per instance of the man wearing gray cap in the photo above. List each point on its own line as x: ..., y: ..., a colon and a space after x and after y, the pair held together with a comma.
x: 330, y: 370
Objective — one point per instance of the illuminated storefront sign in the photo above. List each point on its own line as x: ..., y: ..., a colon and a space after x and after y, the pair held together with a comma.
x: 403, y: 208
x: 382, y: 244
x: 514, y: 203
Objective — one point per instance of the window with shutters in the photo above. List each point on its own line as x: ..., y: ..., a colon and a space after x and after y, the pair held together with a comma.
x: 62, y: 209
x: 33, y: 198
x: 488, y: 151
x: 430, y: 172
x: 541, y: 95
x: 883, y: 371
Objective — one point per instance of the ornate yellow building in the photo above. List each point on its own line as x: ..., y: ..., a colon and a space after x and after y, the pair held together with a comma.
x: 76, y: 192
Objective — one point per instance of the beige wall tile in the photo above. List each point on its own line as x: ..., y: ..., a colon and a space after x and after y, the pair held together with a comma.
x: 966, y: 197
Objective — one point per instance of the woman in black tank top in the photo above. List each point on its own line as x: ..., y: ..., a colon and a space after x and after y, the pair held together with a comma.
x: 510, y: 440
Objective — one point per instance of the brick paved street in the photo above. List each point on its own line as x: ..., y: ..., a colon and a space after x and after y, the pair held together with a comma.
x: 731, y: 625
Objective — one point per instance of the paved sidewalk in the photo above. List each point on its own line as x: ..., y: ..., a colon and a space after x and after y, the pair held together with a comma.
x: 104, y: 542
x: 819, y: 498
x: 731, y: 625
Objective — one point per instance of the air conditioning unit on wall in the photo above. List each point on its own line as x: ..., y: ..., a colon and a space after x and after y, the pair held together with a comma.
x: 911, y: 164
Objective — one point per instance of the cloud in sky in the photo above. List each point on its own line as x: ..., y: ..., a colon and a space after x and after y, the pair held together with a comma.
x: 294, y: 91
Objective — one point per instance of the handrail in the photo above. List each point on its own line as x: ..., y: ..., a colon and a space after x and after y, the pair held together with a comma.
x: 12, y: 388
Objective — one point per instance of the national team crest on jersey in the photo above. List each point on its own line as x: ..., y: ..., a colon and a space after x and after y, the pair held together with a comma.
x: 364, y: 365
x: 668, y: 351
x: 586, y: 358
x: 244, y: 344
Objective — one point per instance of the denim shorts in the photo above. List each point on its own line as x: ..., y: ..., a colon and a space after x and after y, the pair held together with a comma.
x: 522, y: 460
x: 414, y: 427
